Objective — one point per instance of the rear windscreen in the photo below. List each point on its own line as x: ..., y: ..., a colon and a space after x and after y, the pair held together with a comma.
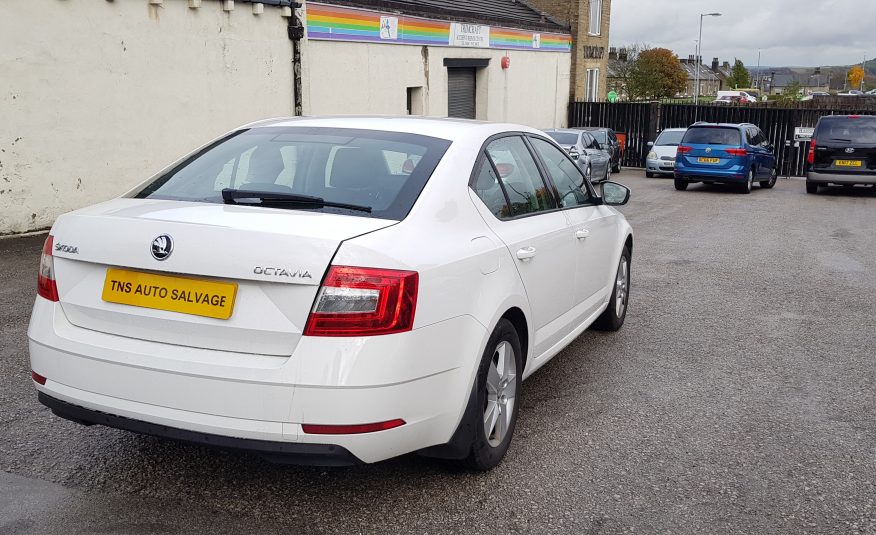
x: 847, y: 129
x: 383, y: 171
x: 712, y: 135
x: 564, y: 138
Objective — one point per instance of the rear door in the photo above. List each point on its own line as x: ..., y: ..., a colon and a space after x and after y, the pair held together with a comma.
x: 537, y: 234
x: 845, y: 145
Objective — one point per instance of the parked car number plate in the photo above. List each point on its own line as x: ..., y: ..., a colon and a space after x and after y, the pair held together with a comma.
x: 849, y: 163
x: 176, y: 294
x: 702, y: 159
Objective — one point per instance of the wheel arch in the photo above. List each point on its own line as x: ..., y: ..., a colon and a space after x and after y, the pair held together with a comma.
x: 518, y: 319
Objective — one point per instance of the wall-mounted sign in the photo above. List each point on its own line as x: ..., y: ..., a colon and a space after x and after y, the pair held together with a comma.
x: 389, y: 28
x: 335, y: 23
x: 469, y: 35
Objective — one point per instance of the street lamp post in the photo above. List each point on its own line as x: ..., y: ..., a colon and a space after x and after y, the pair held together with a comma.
x: 699, y: 55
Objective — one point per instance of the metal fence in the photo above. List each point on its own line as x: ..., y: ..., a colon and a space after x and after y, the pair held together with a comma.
x: 641, y: 122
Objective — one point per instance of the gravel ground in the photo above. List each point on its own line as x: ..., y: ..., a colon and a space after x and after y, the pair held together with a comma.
x: 740, y: 397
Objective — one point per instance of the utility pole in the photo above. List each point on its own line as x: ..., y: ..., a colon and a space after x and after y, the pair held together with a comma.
x: 699, y: 54
x: 757, y: 76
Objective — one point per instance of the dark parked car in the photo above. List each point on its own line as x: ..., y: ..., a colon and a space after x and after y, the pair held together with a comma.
x: 725, y: 153
x: 608, y: 140
x: 842, y: 151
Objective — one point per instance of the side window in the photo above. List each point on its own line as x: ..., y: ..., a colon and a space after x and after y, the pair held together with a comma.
x: 764, y: 142
x: 564, y: 173
x: 751, y: 134
x: 486, y: 186
x: 519, y: 175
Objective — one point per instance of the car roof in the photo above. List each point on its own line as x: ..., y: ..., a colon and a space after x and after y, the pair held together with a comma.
x: 445, y: 128
x: 673, y: 130
x: 724, y: 125
x: 591, y: 128
x: 562, y: 130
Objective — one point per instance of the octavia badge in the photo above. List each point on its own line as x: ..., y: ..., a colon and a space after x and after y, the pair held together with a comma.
x: 162, y: 246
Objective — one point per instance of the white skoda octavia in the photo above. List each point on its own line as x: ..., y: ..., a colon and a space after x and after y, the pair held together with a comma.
x: 331, y: 290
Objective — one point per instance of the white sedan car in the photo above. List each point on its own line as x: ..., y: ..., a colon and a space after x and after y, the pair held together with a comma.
x: 331, y: 290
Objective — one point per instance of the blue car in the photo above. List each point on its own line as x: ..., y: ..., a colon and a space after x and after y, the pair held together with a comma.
x: 723, y: 153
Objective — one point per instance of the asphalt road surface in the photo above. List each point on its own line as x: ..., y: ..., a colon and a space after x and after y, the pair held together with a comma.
x: 740, y: 397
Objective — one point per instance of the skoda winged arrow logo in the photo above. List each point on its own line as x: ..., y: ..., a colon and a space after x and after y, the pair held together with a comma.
x: 162, y: 246
x: 850, y: 150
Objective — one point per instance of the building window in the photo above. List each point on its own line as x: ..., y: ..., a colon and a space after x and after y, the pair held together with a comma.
x: 595, y: 17
x: 592, y: 85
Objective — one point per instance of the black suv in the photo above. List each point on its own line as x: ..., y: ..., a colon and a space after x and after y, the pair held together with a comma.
x: 607, y: 139
x: 842, y: 151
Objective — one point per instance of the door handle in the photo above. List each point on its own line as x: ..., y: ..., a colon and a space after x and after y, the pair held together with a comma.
x: 526, y: 254
x: 582, y: 233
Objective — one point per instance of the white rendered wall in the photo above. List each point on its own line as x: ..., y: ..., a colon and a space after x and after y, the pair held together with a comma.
x: 95, y: 96
x: 356, y: 78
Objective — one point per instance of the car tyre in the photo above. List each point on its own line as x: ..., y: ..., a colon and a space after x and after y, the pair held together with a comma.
x: 749, y: 182
x: 613, y: 317
x: 811, y: 187
x: 649, y: 174
x: 680, y: 185
x: 498, y: 386
x: 768, y: 184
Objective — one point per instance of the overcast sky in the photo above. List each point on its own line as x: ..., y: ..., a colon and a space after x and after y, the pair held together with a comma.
x: 789, y: 32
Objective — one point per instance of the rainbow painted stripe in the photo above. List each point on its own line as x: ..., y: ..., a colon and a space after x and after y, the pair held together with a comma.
x: 328, y: 22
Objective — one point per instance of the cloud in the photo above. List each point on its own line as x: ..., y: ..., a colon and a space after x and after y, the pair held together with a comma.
x: 788, y: 32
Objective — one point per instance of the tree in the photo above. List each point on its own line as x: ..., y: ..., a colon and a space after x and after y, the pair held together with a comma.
x: 855, y: 76
x: 739, y: 76
x: 792, y: 92
x: 657, y: 73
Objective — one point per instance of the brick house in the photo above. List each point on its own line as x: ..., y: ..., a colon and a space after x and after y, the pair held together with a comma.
x: 589, y: 21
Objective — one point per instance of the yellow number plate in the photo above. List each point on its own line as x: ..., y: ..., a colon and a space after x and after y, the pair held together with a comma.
x: 849, y: 163
x: 708, y: 160
x: 176, y: 294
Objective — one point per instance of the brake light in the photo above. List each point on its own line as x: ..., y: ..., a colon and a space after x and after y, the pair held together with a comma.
x: 355, y: 301
x: 854, y: 116
x: 355, y: 429
x: 684, y: 149
x: 736, y: 152
x: 46, y: 286
x: 810, y: 158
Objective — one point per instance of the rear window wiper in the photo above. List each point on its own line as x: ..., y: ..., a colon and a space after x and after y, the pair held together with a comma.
x: 273, y: 198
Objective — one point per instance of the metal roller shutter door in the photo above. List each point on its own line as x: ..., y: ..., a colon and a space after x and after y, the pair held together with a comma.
x: 461, y: 92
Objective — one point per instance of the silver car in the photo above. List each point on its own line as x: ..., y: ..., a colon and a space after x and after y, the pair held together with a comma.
x: 584, y: 149
x: 661, y: 157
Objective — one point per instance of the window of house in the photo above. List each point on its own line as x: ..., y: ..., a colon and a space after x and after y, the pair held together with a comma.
x: 592, y: 85
x: 595, y: 17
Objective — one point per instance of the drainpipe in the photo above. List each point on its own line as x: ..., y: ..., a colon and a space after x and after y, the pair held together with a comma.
x: 296, y: 34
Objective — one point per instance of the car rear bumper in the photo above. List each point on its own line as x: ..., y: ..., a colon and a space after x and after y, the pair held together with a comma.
x: 840, y: 178
x: 734, y: 175
x: 423, y: 377
x: 277, y: 451
x: 660, y: 166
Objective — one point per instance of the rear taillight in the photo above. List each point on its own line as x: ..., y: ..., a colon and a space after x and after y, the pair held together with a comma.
x: 46, y: 286
x: 810, y: 158
x: 355, y: 301
x: 736, y: 152
x: 37, y: 377
x: 684, y: 149
x: 354, y: 429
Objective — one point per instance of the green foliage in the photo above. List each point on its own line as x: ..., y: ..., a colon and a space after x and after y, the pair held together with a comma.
x: 739, y: 76
x: 656, y: 74
x: 792, y: 92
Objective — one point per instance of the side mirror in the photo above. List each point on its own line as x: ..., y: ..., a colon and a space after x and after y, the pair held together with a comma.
x: 573, y: 153
x: 771, y: 147
x: 614, y: 194
x: 650, y: 144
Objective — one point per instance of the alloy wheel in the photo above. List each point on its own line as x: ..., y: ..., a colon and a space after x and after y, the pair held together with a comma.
x: 621, y: 286
x: 501, y: 393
